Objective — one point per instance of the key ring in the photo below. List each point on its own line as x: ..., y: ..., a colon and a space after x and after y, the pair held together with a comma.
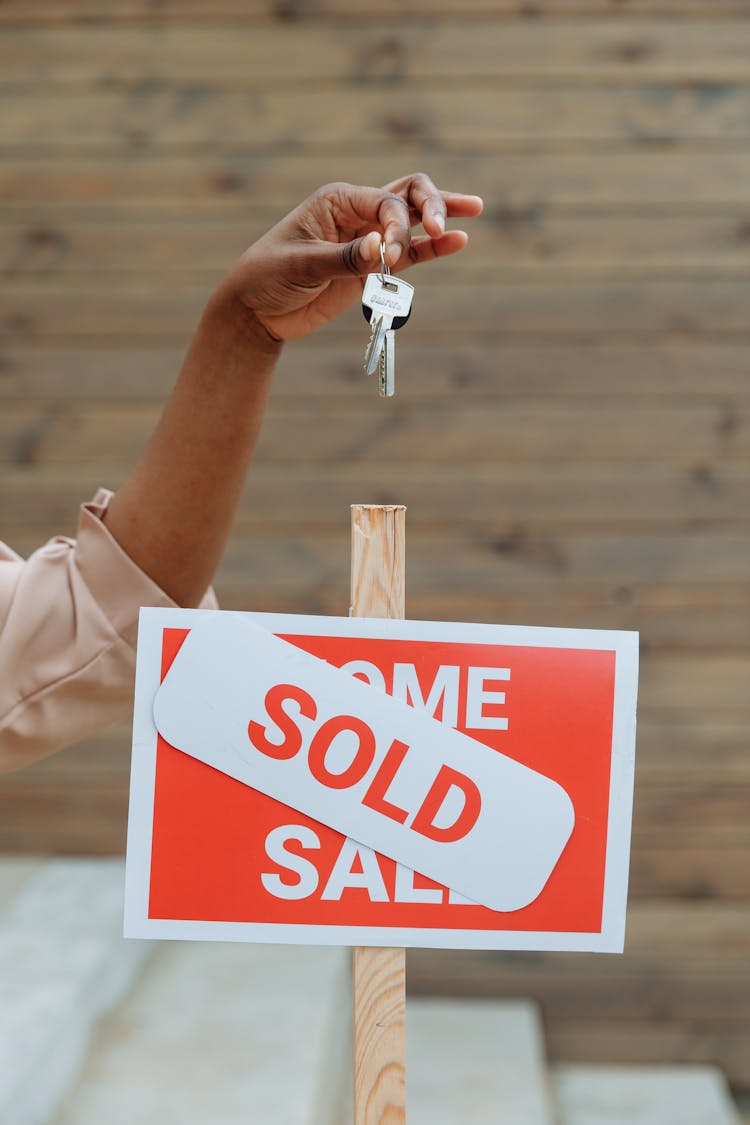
x: 385, y: 269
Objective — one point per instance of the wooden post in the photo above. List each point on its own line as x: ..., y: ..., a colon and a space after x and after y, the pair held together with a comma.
x: 379, y: 975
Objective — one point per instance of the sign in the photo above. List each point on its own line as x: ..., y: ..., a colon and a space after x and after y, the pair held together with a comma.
x: 380, y: 782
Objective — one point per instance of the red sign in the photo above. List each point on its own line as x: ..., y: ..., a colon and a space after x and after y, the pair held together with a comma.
x: 228, y: 861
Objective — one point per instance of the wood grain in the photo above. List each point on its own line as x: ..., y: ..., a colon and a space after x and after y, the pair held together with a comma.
x: 518, y: 243
x: 379, y: 1036
x: 571, y: 427
x: 667, y: 370
x: 379, y: 975
x: 529, y: 116
x: 509, y: 432
x: 505, y: 501
x: 166, y: 313
x: 378, y: 560
x: 249, y: 56
x: 121, y: 182
x: 42, y: 12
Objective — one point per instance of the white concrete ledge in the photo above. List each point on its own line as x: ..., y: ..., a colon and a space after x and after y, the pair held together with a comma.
x: 15, y: 873
x: 475, y: 1061
x: 232, y: 1033
x: 63, y: 962
x: 643, y: 1095
x: 225, y: 1033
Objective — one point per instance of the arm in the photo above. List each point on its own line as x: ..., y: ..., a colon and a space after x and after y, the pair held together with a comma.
x: 174, y: 512
x: 68, y: 615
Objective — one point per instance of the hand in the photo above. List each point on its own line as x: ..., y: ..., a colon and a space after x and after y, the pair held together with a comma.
x: 309, y: 267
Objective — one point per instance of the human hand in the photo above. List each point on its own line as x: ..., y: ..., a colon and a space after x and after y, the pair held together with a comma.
x: 309, y: 267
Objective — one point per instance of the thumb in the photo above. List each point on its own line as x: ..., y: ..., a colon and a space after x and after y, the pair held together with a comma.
x: 329, y: 260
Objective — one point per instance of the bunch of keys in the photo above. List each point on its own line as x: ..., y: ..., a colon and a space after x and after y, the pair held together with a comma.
x: 386, y: 304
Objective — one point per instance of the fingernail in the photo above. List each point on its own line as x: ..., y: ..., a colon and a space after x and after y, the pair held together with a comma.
x: 440, y: 220
x: 394, y: 252
x: 370, y: 246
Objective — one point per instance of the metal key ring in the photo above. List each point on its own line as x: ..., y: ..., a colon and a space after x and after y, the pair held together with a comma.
x: 385, y: 269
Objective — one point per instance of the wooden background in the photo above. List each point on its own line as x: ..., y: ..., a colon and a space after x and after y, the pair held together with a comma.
x: 571, y: 428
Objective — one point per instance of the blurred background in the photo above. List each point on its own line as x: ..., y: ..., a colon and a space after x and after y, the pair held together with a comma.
x: 570, y: 431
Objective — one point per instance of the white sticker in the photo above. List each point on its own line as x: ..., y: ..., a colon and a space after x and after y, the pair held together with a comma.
x: 380, y: 772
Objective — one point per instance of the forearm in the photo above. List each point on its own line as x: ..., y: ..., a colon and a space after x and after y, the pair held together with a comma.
x: 174, y: 512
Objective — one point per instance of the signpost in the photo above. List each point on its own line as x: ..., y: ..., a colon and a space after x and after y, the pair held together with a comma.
x: 379, y: 974
x: 380, y: 783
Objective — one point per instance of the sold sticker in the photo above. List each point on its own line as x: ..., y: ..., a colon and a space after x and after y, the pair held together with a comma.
x: 378, y: 771
x: 380, y: 782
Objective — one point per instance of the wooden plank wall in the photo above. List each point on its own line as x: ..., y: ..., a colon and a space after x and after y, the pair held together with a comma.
x: 571, y: 428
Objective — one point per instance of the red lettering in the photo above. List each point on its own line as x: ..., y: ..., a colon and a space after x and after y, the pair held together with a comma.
x: 362, y: 759
x: 374, y: 798
x: 274, y: 701
x: 424, y: 821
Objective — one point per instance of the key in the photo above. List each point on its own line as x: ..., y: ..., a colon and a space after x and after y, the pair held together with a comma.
x: 375, y: 345
x: 388, y: 299
x: 385, y: 276
x: 387, y: 365
x: 398, y: 321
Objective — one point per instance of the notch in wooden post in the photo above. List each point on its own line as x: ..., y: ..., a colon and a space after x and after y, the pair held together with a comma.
x: 379, y: 975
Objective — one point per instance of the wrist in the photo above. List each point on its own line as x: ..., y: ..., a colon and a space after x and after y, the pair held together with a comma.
x: 228, y: 311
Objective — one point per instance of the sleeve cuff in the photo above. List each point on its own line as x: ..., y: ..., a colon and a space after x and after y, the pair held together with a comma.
x: 118, y: 584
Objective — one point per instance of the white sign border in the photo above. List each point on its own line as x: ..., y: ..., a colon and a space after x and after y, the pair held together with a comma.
x: 143, y: 773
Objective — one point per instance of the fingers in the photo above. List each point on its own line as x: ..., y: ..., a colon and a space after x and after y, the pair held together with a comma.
x: 315, y: 263
x: 462, y: 206
x: 353, y: 207
x: 393, y: 216
x: 427, y: 249
x: 345, y: 209
x: 395, y: 208
x: 362, y: 256
x: 430, y: 205
x: 423, y: 197
x: 425, y: 204
x: 326, y: 261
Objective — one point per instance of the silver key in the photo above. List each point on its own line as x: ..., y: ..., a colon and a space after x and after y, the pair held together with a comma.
x: 387, y: 297
x: 374, y: 345
x: 377, y: 339
x: 387, y: 365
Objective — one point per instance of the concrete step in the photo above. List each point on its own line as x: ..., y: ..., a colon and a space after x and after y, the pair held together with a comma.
x: 63, y: 961
x: 479, y: 1062
x: 227, y: 1033
x: 209, y: 1030
x: 222, y: 1033
x: 15, y: 873
x: 641, y: 1095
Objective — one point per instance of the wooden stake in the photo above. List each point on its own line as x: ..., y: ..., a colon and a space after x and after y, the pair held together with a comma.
x: 377, y: 590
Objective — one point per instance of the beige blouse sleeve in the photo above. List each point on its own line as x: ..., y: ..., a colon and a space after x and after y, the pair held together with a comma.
x: 68, y: 623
